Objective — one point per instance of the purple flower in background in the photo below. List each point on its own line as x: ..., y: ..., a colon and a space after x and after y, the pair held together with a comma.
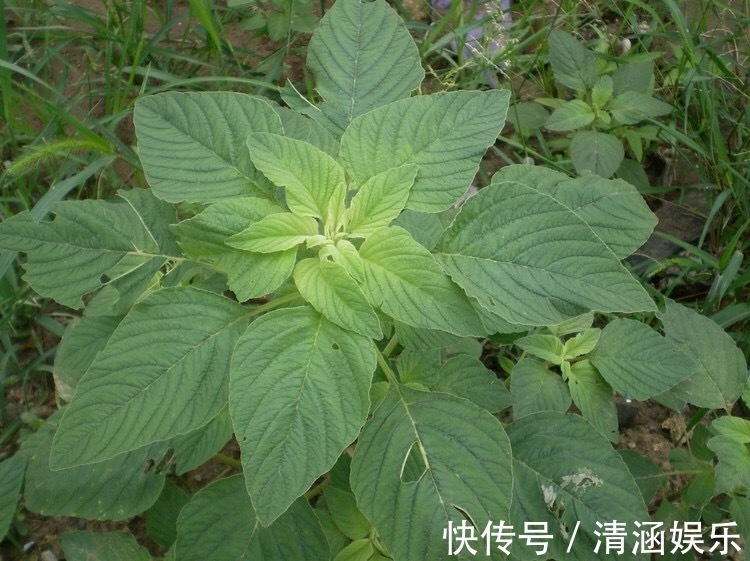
x: 483, y: 41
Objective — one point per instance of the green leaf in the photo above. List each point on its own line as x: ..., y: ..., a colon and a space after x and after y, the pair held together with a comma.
x: 203, y: 238
x: 114, y: 489
x: 535, y: 388
x: 380, y: 200
x: 105, y: 546
x: 581, y: 344
x: 630, y: 108
x: 329, y: 289
x: 358, y: 550
x: 527, y: 116
x: 731, y: 470
x: 638, y: 362
x: 614, y: 210
x: 192, y: 145
x: 648, y: 476
x: 596, y: 152
x: 587, y: 482
x: 593, y: 396
x: 425, y: 227
x: 531, y: 260
x: 82, y: 340
x: 276, y: 232
x: 300, y: 127
x: 547, y: 347
x: 425, y: 459
x: 601, y: 93
x: 299, y: 395
x: 722, y: 372
x: 445, y: 134
x: 220, y: 523
x: 572, y: 64
x: 634, y: 77
x: 161, y: 374
x: 575, y: 114
x: 466, y: 377
x: 90, y: 243
x: 161, y: 519
x: 362, y: 57
x: 733, y: 427
x: 12, y: 471
x: 315, y: 183
x: 403, y: 279
x: 197, y: 447
x: 343, y: 508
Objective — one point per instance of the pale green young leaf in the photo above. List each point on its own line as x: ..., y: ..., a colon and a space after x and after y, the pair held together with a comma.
x: 114, y: 489
x: 638, y: 362
x: 722, y: 372
x: 572, y: 325
x: 601, y: 93
x: 465, y: 376
x: 445, y: 134
x: 731, y: 469
x: 593, y: 396
x: 596, y: 152
x: 12, y: 471
x: 572, y: 64
x: 315, y: 183
x: 101, y: 546
x: 299, y: 396
x: 161, y: 374
x: 733, y: 427
x: 582, y: 344
x: 345, y: 254
x: 345, y: 513
x: 192, y: 145
x: 532, y: 260
x: 362, y: 57
x: 586, y: 483
x: 630, y: 108
x: 220, y: 523
x: 613, y: 209
x: 203, y: 238
x: 274, y: 233
x: 358, y: 550
x: 403, y: 279
x: 535, y: 388
x: 575, y: 114
x: 411, y: 470
x: 380, y: 200
x: 547, y: 347
x: 193, y: 449
x: 329, y: 288
x: 90, y: 243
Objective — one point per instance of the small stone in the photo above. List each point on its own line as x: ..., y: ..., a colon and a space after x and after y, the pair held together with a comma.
x: 47, y: 555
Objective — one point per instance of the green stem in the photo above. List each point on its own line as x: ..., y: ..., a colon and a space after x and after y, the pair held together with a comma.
x: 391, y: 345
x: 385, y: 367
x: 228, y: 460
x: 273, y: 304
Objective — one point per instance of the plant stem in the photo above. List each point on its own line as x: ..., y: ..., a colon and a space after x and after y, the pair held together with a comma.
x: 228, y: 460
x: 385, y: 367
